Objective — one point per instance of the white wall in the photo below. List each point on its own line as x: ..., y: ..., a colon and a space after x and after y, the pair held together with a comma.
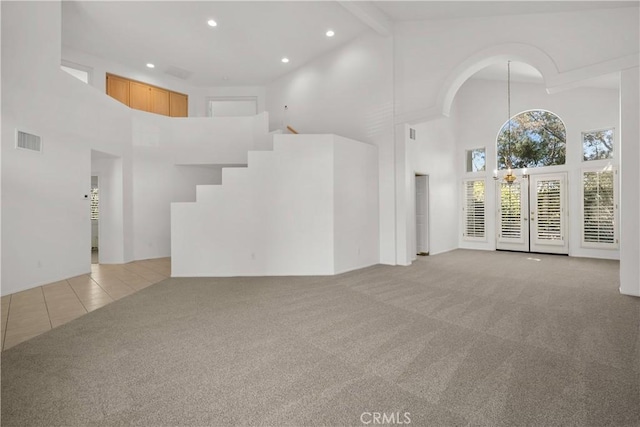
x: 355, y: 207
x: 259, y: 92
x: 273, y: 218
x: 291, y: 212
x: 481, y: 113
x: 162, y: 149
x: 348, y: 92
x: 630, y: 177
x: 45, y: 217
x: 433, y: 154
x: 157, y: 183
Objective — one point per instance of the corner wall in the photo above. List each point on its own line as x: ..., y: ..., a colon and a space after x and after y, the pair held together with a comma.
x: 355, y: 207
x: 630, y: 182
x: 347, y: 92
x: 433, y: 154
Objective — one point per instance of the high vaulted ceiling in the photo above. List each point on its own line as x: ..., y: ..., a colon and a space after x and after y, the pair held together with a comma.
x: 245, y: 47
x: 440, y: 10
x: 251, y: 37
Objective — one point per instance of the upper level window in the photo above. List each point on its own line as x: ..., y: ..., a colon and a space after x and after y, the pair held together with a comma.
x: 597, y: 145
x: 476, y: 160
x: 538, y: 138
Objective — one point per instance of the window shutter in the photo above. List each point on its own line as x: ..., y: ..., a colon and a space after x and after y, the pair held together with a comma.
x: 474, y: 210
x: 510, y: 211
x: 598, y: 209
x: 549, y: 200
x: 94, y: 204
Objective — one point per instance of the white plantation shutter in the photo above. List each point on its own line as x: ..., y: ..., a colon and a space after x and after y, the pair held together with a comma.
x: 549, y: 200
x: 510, y: 211
x: 474, y: 210
x: 599, y: 209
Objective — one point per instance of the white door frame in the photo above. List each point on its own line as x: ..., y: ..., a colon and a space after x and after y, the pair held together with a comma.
x: 547, y: 242
x: 422, y: 213
x: 231, y: 98
x: 513, y: 239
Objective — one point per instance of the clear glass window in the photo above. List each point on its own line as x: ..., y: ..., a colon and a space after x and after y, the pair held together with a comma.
x: 597, y: 145
x: 476, y: 160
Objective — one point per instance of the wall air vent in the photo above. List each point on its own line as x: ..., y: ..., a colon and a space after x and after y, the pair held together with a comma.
x: 412, y: 133
x: 27, y: 141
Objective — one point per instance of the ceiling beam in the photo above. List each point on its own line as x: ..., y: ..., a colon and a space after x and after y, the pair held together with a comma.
x: 369, y: 14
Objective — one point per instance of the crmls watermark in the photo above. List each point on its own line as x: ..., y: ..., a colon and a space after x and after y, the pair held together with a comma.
x: 379, y: 418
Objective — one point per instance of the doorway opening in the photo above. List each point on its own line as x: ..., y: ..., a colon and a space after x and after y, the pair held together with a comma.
x: 232, y: 106
x: 422, y: 215
x: 532, y: 214
x: 95, y: 226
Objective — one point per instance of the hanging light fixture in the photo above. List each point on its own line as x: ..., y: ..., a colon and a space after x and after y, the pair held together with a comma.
x: 509, y: 177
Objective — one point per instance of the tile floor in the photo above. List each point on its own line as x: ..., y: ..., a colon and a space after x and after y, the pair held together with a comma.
x: 29, y: 313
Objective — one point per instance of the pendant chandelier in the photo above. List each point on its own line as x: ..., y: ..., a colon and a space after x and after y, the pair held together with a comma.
x: 509, y: 176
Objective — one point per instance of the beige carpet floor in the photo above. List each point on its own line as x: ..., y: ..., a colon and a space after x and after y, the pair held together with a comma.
x: 465, y: 338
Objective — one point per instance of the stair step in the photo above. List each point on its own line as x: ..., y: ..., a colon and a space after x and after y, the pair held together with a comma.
x: 234, y: 176
x: 206, y: 193
x: 259, y: 158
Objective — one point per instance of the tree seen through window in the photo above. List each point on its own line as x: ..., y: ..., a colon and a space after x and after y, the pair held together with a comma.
x: 597, y: 145
x: 538, y: 138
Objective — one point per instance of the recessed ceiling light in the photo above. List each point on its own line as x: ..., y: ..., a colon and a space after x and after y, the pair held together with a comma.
x: 150, y: 65
x: 212, y: 23
x: 285, y: 60
x: 330, y: 33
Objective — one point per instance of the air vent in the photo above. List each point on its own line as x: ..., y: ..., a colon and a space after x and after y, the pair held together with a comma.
x: 412, y: 133
x: 27, y: 141
x: 178, y: 72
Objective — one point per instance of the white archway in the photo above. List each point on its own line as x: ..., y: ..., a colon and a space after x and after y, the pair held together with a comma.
x: 502, y: 53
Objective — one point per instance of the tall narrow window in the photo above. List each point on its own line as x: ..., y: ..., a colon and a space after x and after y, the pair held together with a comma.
x: 599, y: 209
x: 474, y: 210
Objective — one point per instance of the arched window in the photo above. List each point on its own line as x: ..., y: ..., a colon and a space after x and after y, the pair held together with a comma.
x: 538, y: 138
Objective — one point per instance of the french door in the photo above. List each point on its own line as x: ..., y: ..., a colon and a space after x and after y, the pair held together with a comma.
x: 532, y: 214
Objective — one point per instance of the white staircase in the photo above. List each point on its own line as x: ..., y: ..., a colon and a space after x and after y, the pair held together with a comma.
x: 309, y: 207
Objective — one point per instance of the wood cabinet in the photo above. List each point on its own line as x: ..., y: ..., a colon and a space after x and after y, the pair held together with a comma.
x: 118, y: 88
x: 145, y: 97
x: 159, y: 101
x: 139, y: 96
x: 178, y: 104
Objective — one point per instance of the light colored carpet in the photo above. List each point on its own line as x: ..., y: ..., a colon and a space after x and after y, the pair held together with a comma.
x: 463, y: 338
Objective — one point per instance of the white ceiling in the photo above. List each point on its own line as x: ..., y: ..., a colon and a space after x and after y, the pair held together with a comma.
x: 439, y: 10
x: 252, y: 36
x: 246, y: 46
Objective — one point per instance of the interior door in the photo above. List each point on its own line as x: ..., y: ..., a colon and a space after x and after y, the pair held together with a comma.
x: 513, y: 221
x: 532, y: 214
x: 422, y: 214
x: 549, y: 214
